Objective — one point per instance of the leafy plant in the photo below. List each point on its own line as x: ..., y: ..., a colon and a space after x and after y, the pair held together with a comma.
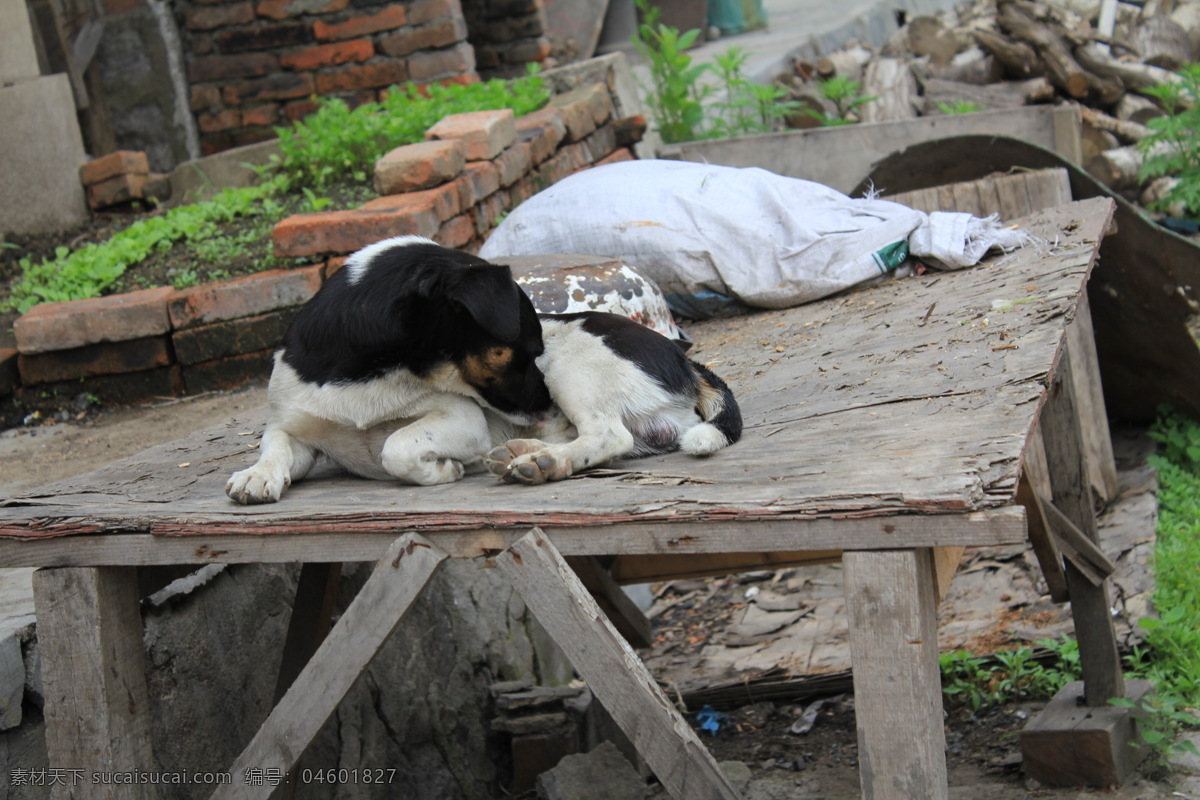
x: 846, y: 96
x: 1174, y: 147
x: 1009, y: 675
x: 1160, y: 721
x: 958, y: 107
x: 745, y: 106
x: 676, y: 96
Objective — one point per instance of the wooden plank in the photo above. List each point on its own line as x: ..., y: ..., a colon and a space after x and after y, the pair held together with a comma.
x: 1071, y: 493
x: 945, y: 565
x: 1011, y: 196
x: 622, y: 612
x: 649, y: 569
x: 366, y: 624
x: 892, y: 611
x: 835, y: 156
x: 97, y: 709
x: 1043, y: 544
x: 1093, y: 416
x: 1085, y: 554
x: 365, y: 542
x: 312, y: 611
x: 613, y: 670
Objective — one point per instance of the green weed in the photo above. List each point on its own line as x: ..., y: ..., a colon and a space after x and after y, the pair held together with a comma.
x: 1179, y: 130
x: 958, y: 107
x: 846, y: 96
x: 1008, y: 676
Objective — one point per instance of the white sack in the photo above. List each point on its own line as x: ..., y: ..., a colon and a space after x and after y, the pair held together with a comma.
x: 715, y: 237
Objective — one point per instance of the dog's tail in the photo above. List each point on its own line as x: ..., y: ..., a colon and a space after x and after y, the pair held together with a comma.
x: 716, y: 405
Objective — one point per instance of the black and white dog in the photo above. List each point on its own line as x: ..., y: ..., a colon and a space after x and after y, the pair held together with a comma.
x: 414, y: 361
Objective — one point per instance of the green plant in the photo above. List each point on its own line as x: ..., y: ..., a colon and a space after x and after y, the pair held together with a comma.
x: 965, y: 678
x: 958, y: 107
x: 676, y: 97
x: 1160, y: 721
x: 1009, y: 675
x: 846, y: 96
x: 1174, y: 147
x: 185, y: 278
x: 745, y: 106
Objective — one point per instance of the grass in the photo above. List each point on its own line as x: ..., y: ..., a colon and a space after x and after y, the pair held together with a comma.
x: 325, y: 161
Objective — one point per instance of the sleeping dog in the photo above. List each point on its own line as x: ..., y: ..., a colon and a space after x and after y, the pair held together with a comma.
x: 414, y: 361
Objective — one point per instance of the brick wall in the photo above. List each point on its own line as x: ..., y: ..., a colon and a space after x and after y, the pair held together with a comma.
x: 255, y: 64
x: 453, y: 188
x: 506, y: 35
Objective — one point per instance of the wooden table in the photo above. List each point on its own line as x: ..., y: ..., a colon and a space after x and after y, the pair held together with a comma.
x: 887, y: 427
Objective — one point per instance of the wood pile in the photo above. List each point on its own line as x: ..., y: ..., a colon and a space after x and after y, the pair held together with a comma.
x: 996, y: 54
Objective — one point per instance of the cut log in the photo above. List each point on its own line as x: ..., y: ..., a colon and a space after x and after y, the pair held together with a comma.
x: 1119, y: 168
x: 1157, y: 190
x: 848, y: 63
x: 1096, y: 141
x: 973, y: 65
x: 812, y: 107
x: 1162, y: 42
x: 892, y: 85
x: 1006, y: 94
x: 1061, y: 67
x: 927, y: 36
x: 1019, y: 59
x: 1096, y: 58
x: 1136, y: 108
x: 1124, y: 130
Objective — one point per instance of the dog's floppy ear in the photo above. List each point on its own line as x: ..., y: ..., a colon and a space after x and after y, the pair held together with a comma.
x: 492, y: 298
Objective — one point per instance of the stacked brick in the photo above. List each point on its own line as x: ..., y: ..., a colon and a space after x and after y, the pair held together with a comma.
x: 453, y: 187
x: 473, y: 168
x: 506, y: 35
x: 254, y: 64
x: 120, y: 177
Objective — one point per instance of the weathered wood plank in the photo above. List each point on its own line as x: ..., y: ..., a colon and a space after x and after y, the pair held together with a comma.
x: 366, y: 624
x: 891, y: 604
x: 1089, y: 396
x: 622, y: 612
x: 909, y: 398
x: 648, y: 569
x: 97, y: 708
x: 613, y: 670
x: 1011, y: 196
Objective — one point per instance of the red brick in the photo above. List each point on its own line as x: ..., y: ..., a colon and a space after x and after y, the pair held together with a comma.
x: 206, y: 96
x: 393, y: 16
x: 328, y: 55
x: 200, y: 44
x: 624, y: 154
x: 223, y: 68
x: 418, y: 166
x: 444, y: 201
x: 264, y: 37
x: 456, y: 231
x: 523, y: 52
x: 228, y: 373
x: 220, y: 121
x: 119, y: 162
x: 569, y: 159
x: 432, y: 64
x: 299, y: 109
x: 478, y: 180
x: 110, y: 358
x: 119, y: 318
x: 207, y: 18
x: 490, y: 210
x: 282, y: 9
x: 584, y: 109
x: 427, y: 37
x: 261, y: 115
x: 280, y: 86
x: 514, y: 163
x: 333, y: 265
x: 347, y: 231
x: 8, y: 371
x: 526, y: 188
x: 364, y: 76
x: 424, y: 11
x: 484, y: 134
x: 112, y: 390
x: 232, y: 337
x: 544, y: 130
x: 243, y: 297
x: 120, y: 189
x: 601, y: 143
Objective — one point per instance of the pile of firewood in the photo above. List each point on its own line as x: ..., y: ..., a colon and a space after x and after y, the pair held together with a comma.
x: 995, y: 54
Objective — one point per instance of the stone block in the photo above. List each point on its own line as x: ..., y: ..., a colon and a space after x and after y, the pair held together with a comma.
x: 115, y: 164
x: 602, y: 774
x: 18, y: 56
x: 228, y: 373
x: 419, y: 166
x: 484, y: 134
x: 42, y: 147
x: 199, y: 179
x: 118, y: 318
x: 108, y: 358
x: 232, y: 337
x: 244, y: 297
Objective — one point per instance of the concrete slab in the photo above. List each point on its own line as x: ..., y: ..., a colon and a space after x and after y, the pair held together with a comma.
x: 40, y: 191
x: 18, y: 59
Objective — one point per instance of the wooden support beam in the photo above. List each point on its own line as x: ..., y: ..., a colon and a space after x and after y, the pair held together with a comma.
x: 1071, y: 492
x: 367, y: 623
x: 1040, y: 538
x: 650, y: 569
x: 945, y: 565
x: 94, y: 679
x: 1085, y: 554
x: 622, y: 612
x: 613, y: 670
x: 890, y: 602
x: 1089, y: 396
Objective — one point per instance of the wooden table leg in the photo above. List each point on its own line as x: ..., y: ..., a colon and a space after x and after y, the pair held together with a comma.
x: 97, y: 711
x: 613, y: 670
x: 891, y: 605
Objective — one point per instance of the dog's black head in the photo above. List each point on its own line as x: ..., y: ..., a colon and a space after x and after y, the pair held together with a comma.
x: 408, y: 303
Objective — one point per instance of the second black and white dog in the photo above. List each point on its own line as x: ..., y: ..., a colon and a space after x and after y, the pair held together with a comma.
x: 417, y: 363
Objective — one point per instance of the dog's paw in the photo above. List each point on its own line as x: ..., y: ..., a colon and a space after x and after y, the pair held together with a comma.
x: 257, y: 485
x: 428, y: 470
x: 529, y: 461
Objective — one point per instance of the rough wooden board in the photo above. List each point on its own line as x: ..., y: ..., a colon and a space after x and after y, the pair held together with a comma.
x: 908, y: 399
x: 94, y: 678
x: 1010, y: 196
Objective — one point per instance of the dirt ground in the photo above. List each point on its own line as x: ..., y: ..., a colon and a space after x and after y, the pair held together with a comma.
x: 983, y: 753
